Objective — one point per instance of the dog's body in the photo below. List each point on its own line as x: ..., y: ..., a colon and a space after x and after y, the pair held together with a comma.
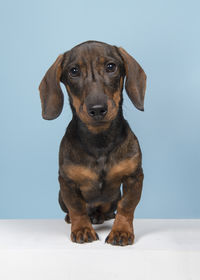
x: 98, y: 152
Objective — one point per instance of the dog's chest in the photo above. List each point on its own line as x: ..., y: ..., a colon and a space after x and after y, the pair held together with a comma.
x: 101, y: 165
x: 100, y: 168
x: 100, y: 189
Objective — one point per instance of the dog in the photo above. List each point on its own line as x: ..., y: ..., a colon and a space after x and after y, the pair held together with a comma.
x: 98, y: 152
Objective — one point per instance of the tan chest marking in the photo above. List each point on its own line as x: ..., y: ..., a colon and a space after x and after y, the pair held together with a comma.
x: 123, y: 168
x: 79, y: 173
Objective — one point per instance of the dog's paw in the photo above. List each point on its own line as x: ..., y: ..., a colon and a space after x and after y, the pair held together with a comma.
x: 83, y: 235
x: 121, y: 238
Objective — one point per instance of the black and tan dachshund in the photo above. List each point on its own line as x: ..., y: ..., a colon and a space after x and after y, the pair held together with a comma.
x: 98, y: 152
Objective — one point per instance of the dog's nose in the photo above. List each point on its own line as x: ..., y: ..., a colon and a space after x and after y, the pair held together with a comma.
x: 97, y: 112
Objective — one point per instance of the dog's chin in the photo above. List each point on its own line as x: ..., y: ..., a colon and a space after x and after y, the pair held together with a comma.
x: 99, y: 123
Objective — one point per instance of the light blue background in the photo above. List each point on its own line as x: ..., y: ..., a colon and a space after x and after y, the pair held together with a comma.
x: 163, y: 36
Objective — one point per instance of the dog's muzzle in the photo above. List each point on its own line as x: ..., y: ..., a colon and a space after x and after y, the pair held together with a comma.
x: 96, y: 104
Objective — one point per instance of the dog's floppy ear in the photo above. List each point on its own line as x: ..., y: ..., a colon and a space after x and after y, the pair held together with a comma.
x: 50, y: 91
x: 135, y: 84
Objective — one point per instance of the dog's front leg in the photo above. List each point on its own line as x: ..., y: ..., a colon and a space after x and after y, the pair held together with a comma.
x: 122, y: 231
x: 81, y: 227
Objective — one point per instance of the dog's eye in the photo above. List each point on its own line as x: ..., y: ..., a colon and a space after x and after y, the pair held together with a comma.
x: 110, y: 67
x: 74, y: 72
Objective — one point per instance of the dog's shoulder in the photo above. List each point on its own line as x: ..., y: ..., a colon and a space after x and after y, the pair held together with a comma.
x: 125, y: 158
x: 129, y: 147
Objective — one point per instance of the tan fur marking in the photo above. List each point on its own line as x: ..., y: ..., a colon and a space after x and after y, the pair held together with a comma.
x: 117, y: 94
x: 112, y: 111
x: 76, y: 102
x: 102, y: 59
x: 87, y: 187
x: 116, y: 97
x: 123, y: 168
x: 84, y: 115
x: 79, y: 174
x: 98, y: 129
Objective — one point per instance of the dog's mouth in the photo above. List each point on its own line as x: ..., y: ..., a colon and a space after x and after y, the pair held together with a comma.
x: 99, y: 123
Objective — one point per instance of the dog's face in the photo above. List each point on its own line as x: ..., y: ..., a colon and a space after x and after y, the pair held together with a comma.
x: 93, y: 74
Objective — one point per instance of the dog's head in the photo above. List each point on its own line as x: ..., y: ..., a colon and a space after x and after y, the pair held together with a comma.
x: 93, y: 74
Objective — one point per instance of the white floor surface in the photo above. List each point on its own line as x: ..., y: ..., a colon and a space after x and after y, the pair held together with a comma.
x: 41, y: 249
